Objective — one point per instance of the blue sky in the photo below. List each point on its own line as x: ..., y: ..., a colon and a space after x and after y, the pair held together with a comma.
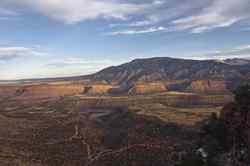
x: 54, y: 38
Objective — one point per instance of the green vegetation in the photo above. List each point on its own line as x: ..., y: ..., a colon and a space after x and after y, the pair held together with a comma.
x: 228, y: 134
x: 242, y: 97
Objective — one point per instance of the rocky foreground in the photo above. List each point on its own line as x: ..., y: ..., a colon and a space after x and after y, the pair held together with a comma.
x: 124, y: 130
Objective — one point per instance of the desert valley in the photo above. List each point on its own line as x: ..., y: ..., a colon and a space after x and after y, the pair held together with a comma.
x: 157, y: 111
x: 124, y: 83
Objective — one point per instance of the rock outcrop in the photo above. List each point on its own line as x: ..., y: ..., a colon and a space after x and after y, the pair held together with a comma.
x: 44, y: 90
x: 147, y: 88
x: 98, y: 89
x: 8, y: 90
x: 209, y: 86
x: 166, y: 69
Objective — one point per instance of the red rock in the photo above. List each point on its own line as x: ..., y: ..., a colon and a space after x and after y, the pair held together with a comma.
x: 209, y: 86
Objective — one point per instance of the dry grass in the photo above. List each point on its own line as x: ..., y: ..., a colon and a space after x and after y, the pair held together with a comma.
x: 183, y: 116
x: 41, y: 128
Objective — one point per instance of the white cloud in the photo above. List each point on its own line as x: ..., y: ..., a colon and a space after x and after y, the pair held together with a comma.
x: 68, y: 62
x: 71, y: 12
x: 220, y: 13
x: 245, y: 29
x: 140, y: 31
x: 10, y: 53
x: 196, y: 16
x: 158, y: 2
x: 162, y: 11
x: 7, y: 12
x: 134, y: 24
x: 237, y: 52
x: 243, y: 47
x: 141, y: 23
x: 72, y: 66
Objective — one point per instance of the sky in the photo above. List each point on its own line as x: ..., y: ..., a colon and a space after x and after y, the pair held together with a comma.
x: 56, y: 38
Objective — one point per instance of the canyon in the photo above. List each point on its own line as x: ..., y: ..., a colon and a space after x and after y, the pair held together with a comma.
x: 148, y: 110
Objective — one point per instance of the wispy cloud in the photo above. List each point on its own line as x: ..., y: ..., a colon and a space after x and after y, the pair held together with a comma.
x: 11, y: 53
x: 245, y: 29
x: 7, y: 12
x: 220, y: 13
x: 243, y: 47
x: 140, y: 31
x: 72, y: 12
x: 195, y: 16
x: 71, y: 66
x: 68, y: 62
x: 134, y: 24
x: 237, y: 52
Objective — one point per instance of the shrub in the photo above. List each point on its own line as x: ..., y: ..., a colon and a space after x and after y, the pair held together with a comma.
x: 242, y: 96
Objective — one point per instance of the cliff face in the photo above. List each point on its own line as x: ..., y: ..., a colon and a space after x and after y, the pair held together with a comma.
x: 98, y: 89
x: 197, y: 86
x: 148, y: 76
x: 52, y: 90
x: 209, y: 86
x: 55, y: 90
x: 145, y: 88
x: 8, y: 91
x: 41, y: 90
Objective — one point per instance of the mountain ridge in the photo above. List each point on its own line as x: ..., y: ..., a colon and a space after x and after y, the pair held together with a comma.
x: 160, y: 74
x: 167, y: 68
x: 229, y: 61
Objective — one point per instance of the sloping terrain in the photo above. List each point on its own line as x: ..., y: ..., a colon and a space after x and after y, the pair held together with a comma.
x: 74, y: 130
x: 154, y: 69
x: 226, y: 74
x: 73, y: 124
x: 144, y: 76
x: 147, y: 112
x: 41, y: 90
x: 69, y: 132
